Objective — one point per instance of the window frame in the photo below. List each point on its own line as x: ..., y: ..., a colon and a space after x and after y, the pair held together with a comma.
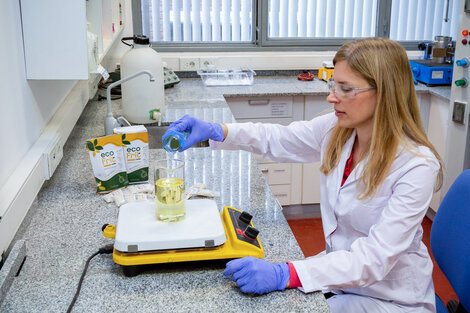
x: 261, y: 41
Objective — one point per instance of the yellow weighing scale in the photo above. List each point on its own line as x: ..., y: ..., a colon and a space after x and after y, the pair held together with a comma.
x: 204, y: 234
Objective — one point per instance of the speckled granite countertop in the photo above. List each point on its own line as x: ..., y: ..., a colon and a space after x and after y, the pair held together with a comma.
x: 63, y: 227
x: 272, y: 86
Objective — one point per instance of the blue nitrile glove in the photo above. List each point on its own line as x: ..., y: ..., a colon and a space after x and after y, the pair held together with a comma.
x: 198, y: 130
x: 258, y: 276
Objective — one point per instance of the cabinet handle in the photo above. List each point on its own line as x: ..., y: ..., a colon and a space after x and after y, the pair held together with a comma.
x: 258, y: 101
x: 264, y: 170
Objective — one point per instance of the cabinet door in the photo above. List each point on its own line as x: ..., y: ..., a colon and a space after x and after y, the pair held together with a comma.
x: 276, y: 173
x: 314, y: 106
x: 284, y: 179
x: 437, y: 134
x: 279, y: 120
x: 282, y: 193
x: 261, y: 107
x: 55, y: 39
x: 311, y: 183
x: 424, y: 107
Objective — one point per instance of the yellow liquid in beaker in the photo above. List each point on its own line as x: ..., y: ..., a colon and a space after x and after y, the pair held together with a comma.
x: 170, y: 199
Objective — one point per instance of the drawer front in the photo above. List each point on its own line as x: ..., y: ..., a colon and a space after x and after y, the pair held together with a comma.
x: 281, y: 120
x: 316, y: 106
x: 282, y: 193
x: 260, y: 160
x: 261, y: 107
x: 276, y: 173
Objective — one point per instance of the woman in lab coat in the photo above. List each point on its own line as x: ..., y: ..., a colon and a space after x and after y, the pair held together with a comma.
x: 378, y: 172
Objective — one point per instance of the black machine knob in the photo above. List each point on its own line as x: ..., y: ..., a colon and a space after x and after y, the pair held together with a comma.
x: 251, y: 232
x: 421, y: 45
x: 245, y: 217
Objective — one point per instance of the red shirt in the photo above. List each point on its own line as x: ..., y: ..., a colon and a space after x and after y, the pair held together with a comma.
x: 347, y: 168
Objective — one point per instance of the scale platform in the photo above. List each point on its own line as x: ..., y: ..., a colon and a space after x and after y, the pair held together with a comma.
x: 138, y: 230
x: 204, y: 234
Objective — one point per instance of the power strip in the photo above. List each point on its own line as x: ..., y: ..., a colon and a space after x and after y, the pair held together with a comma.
x: 170, y: 78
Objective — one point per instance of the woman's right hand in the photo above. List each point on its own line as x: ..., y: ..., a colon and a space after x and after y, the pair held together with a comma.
x: 198, y: 130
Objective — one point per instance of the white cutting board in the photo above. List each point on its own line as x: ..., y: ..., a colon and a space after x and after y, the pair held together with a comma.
x: 138, y: 229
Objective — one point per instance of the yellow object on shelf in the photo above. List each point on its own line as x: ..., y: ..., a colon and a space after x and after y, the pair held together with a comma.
x: 325, y: 73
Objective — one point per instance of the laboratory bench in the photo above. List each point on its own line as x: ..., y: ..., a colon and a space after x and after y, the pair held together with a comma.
x: 64, y: 225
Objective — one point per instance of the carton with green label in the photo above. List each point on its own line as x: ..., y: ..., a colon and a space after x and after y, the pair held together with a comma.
x: 135, y: 142
x: 108, y: 162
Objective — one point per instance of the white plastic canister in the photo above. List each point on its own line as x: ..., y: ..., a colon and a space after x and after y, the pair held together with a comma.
x: 140, y: 96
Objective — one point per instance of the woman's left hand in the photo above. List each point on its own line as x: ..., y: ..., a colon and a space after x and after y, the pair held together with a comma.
x: 258, y: 276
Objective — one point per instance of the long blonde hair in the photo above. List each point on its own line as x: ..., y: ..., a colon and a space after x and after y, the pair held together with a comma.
x: 383, y: 63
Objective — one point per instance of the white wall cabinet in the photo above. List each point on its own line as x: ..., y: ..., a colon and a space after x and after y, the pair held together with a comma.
x: 55, y: 35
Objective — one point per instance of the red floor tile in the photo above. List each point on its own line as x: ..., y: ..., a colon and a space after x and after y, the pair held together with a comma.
x: 309, y: 235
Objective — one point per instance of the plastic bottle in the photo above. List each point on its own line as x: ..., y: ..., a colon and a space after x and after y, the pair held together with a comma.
x: 174, y: 140
x: 141, y: 98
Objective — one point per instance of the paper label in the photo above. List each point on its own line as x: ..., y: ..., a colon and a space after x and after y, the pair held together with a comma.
x: 280, y: 109
x: 104, y: 73
x: 437, y: 74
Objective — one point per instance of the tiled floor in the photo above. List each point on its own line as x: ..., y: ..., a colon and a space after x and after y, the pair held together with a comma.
x: 309, y: 235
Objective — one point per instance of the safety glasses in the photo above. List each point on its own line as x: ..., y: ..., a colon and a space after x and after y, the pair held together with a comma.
x: 343, y: 91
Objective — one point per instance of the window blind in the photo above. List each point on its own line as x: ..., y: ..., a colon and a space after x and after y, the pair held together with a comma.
x: 231, y: 20
x: 423, y: 19
x: 322, y: 18
x: 200, y: 20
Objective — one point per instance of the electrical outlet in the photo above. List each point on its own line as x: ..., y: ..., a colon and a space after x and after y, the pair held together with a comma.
x: 208, y: 61
x: 458, y: 113
x: 52, y: 156
x: 189, y: 64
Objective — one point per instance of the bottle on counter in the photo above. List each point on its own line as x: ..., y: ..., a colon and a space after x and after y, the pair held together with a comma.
x: 141, y: 97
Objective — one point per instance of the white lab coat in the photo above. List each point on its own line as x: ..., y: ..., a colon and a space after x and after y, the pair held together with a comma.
x: 374, y: 247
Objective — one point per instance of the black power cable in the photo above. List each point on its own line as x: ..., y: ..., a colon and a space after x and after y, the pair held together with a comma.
x: 103, y: 250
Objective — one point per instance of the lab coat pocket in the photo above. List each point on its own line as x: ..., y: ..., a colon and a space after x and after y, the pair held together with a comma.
x: 366, y: 213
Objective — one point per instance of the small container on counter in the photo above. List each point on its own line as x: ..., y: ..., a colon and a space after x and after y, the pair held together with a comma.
x: 174, y: 140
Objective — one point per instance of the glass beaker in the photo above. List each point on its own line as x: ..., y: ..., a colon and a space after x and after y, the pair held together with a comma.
x: 170, y: 198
